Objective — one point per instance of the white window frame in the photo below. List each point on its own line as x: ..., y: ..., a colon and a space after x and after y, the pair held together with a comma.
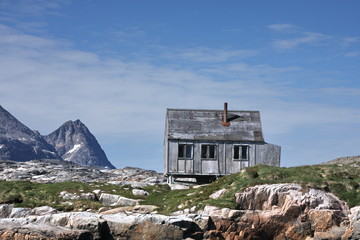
x: 241, y: 146
x: 185, y: 148
x: 207, y: 157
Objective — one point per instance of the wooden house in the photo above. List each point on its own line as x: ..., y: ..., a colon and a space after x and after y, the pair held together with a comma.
x: 205, y: 144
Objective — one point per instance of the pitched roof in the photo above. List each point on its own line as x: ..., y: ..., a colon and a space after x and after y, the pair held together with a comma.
x: 190, y: 124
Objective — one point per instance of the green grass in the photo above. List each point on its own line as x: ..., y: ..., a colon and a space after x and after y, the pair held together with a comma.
x: 342, y: 180
x: 28, y: 194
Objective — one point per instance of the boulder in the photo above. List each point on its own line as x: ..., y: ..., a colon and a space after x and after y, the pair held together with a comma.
x: 282, y: 196
x: 353, y: 231
x: 178, y: 187
x: 89, y: 196
x: 218, y: 193
x: 117, y: 200
x: 109, y: 199
x: 35, y: 231
x: 44, y: 210
x: 68, y: 196
x: 281, y: 211
x: 139, y: 192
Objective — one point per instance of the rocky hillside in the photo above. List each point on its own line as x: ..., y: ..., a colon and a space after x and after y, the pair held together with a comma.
x: 57, y: 171
x: 19, y: 143
x: 266, y: 212
x: 74, y: 142
x: 352, y: 160
x: 260, y: 202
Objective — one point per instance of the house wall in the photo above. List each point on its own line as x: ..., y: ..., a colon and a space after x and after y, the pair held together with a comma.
x: 268, y: 154
x: 258, y: 153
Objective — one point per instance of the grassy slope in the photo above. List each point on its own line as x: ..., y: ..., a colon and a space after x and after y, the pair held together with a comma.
x: 342, y: 180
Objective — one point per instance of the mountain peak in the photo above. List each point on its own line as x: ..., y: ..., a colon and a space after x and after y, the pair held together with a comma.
x: 20, y: 143
x: 74, y: 142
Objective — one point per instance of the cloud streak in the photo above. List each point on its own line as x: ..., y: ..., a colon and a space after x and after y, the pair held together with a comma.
x: 307, y: 38
x: 77, y: 81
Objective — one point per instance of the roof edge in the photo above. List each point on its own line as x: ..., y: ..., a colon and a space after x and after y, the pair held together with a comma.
x: 209, y: 110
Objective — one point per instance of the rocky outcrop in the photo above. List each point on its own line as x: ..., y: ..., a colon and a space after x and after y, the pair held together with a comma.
x: 74, y: 142
x: 351, y: 160
x: 50, y: 171
x: 84, y: 225
x: 283, y: 211
x: 279, y: 211
x: 20, y: 143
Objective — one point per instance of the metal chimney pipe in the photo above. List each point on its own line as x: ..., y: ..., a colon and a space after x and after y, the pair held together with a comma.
x: 225, y: 117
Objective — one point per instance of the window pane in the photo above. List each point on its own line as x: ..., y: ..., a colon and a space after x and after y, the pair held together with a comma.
x: 203, y: 151
x: 181, y: 150
x: 236, y: 152
x: 211, y: 151
x: 244, y: 152
x: 188, y: 151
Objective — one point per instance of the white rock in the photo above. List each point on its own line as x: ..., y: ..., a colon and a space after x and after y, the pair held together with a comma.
x: 354, y: 214
x: 68, y: 196
x: 178, y: 187
x: 139, y: 192
x: 109, y: 199
x: 5, y: 210
x: 114, y: 200
x: 44, y: 210
x: 88, y: 196
x: 19, y: 212
x: 281, y: 196
x: 219, y: 193
x: 212, y: 211
x: 225, y: 212
x: 97, y: 193
x: 123, y: 201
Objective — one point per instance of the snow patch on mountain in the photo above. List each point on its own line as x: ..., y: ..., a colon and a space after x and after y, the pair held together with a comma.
x: 75, y: 148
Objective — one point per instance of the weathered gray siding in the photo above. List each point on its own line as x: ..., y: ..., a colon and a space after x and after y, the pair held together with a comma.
x: 198, y: 127
x: 268, y: 154
x: 258, y: 153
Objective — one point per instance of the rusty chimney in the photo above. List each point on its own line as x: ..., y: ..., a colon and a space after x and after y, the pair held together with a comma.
x: 225, y: 121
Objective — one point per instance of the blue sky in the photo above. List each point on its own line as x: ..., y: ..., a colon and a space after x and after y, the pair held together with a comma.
x: 117, y: 66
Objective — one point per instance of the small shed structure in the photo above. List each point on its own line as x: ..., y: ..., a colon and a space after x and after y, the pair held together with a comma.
x: 205, y: 144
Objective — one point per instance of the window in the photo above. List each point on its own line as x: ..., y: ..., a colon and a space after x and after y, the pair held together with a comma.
x: 241, y: 152
x: 185, y: 151
x: 208, y: 151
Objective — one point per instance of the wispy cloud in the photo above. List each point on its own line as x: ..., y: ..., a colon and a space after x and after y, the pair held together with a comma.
x: 214, y: 55
x: 204, y: 54
x: 352, y: 54
x: 283, y: 27
x: 14, y: 39
x: 348, y: 41
x: 307, y: 38
x: 112, y: 94
x: 30, y: 7
x: 27, y: 14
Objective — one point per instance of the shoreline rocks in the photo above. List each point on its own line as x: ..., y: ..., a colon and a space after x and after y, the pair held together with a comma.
x: 278, y: 211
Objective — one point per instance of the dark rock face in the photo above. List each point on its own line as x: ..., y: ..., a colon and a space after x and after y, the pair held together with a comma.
x: 74, y: 142
x: 71, y: 142
x: 19, y: 143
